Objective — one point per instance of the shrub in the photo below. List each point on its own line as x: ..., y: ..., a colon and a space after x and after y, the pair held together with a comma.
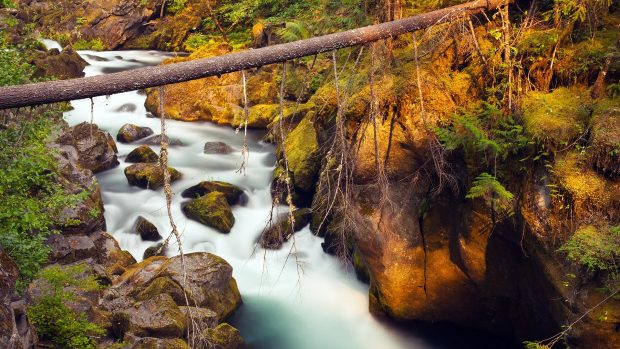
x: 94, y: 44
x: 30, y: 198
x: 14, y: 69
x: 52, y: 318
x: 596, y: 248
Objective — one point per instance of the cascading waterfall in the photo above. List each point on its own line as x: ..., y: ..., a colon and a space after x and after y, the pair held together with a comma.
x: 325, y: 307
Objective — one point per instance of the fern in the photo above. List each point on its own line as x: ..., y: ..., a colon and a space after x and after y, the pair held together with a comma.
x: 293, y: 31
x: 487, y: 187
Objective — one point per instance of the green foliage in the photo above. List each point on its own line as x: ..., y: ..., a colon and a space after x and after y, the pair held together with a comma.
x: 94, y: 44
x: 487, y: 187
x: 14, y: 69
x: 534, y: 345
x: 30, y: 198
x: 596, y: 248
x: 52, y: 318
x: 176, y: 6
x: 7, y: 4
x: 196, y: 40
x: 293, y: 31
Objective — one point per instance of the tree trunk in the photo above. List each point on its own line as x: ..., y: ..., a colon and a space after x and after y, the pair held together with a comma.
x: 65, y: 90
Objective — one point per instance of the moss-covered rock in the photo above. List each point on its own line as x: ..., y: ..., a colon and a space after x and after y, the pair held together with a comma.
x: 159, y: 343
x: 205, y: 318
x: 605, y: 133
x: 147, y: 230
x: 280, y: 232
x: 62, y: 65
x: 208, y: 281
x: 130, y: 133
x: 558, y: 117
x: 96, y: 148
x: 212, y: 210
x: 162, y: 285
x: 231, y: 191
x: 223, y: 336
x: 149, y: 176
x: 259, y: 116
x: 144, y: 154
x: 158, y: 316
x: 301, y: 147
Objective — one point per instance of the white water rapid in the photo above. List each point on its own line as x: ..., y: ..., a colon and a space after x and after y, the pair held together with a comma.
x: 309, y: 301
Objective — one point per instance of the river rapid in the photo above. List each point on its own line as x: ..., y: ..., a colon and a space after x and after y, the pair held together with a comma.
x: 305, y: 300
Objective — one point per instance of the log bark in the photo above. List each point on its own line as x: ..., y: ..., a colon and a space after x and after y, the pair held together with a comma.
x: 66, y: 90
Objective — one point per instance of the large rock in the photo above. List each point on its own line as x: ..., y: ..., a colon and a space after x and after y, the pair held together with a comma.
x: 130, y: 133
x: 211, y: 210
x: 223, y: 336
x: 61, y: 65
x: 144, y: 154
x: 147, y: 230
x: 149, y: 176
x: 86, y: 215
x: 96, y: 148
x: 280, y: 232
x: 231, y: 191
x: 155, y: 317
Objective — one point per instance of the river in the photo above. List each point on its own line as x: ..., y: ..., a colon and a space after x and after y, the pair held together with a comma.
x: 306, y: 301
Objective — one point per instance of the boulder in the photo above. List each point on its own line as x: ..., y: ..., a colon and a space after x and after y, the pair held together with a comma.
x: 223, y: 336
x: 86, y: 215
x: 208, y: 281
x: 212, y: 210
x: 231, y: 191
x: 147, y: 230
x: 110, y: 255
x: 149, y: 176
x: 280, y: 232
x: 163, y: 285
x: 130, y: 133
x: 157, y: 317
x: 156, y: 140
x: 143, y: 154
x: 154, y: 251
x: 61, y: 65
x: 96, y: 148
x: 217, y: 148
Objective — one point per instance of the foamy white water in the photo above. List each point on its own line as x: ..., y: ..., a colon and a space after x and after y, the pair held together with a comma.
x: 306, y: 301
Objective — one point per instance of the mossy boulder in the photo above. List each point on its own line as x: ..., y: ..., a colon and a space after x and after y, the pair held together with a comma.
x: 144, y: 154
x: 208, y: 281
x: 130, y: 133
x: 259, y: 116
x: 61, y: 65
x: 157, y: 317
x: 205, y: 318
x: 149, y: 176
x: 556, y: 118
x: 231, y: 191
x: 301, y: 148
x: 159, y: 343
x: 162, y: 285
x: 212, y: 210
x: 223, y: 336
x: 280, y: 232
x: 605, y: 137
x: 147, y: 230
x: 96, y: 148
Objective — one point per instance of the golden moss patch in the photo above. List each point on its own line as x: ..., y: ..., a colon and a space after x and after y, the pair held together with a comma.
x: 556, y: 118
x: 301, y: 151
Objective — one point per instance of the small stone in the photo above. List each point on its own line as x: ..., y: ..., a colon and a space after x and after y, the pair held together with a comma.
x: 154, y: 251
x: 144, y: 154
x: 217, y: 148
x: 147, y: 230
x: 130, y: 133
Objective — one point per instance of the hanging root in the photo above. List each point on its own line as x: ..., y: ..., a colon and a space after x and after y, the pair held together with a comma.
x: 245, y: 150
x: 195, y: 328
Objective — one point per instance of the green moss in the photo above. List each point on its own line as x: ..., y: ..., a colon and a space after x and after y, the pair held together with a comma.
x: 162, y: 285
x: 301, y: 148
x: 259, y: 115
x: 223, y: 336
x: 211, y: 210
x: 585, y: 186
x: 231, y: 191
x: 149, y: 176
x: 556, y: 118
x: 94, y: 44
x: 143, y: 153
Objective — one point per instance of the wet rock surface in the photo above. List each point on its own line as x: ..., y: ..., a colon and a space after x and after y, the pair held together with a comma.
x: 231, y: 192
x: 212, y: 210
x: 62, y: 65
x: 147, y: 230
x: 149, y: 176
x: 96, y: 148
x: 218, y: 148
x: 130, y: 133
x: 144, y: 154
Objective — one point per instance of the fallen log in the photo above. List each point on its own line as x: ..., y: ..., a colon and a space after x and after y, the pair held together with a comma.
x: 66, y: 90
